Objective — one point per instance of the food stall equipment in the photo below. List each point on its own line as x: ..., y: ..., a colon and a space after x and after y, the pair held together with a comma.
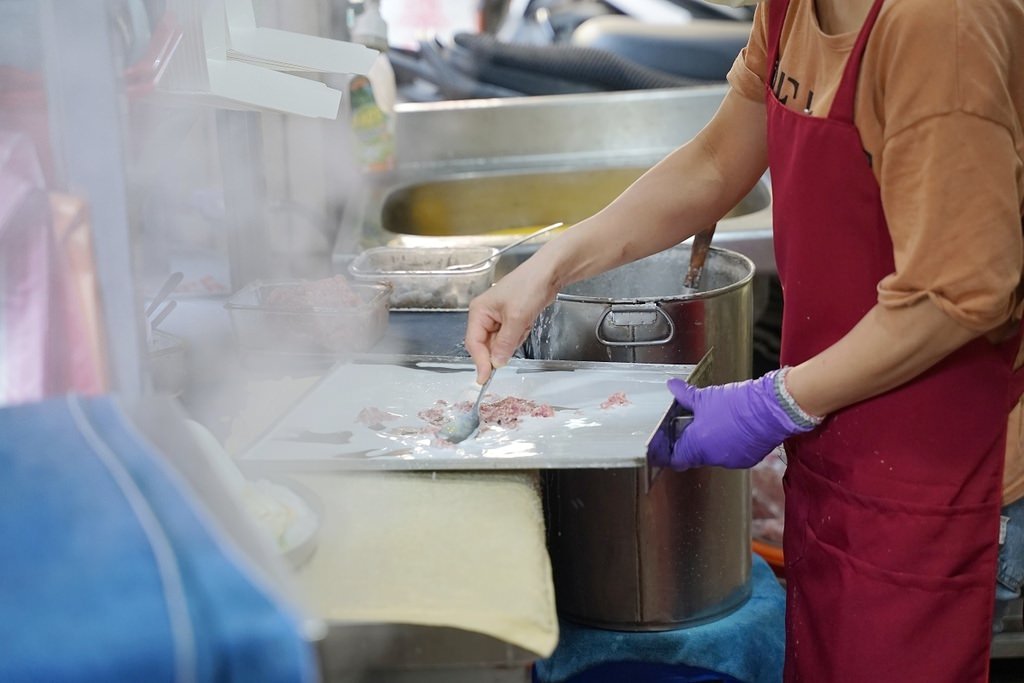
x: 483, y: 174
x: 684, y: 544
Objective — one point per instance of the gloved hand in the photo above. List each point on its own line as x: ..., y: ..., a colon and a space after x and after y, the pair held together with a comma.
x: 736, y: 425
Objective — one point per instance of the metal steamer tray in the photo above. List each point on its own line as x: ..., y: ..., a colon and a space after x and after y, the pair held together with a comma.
x: 329, y: 429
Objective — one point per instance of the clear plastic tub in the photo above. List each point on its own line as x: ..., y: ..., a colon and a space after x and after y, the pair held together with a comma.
x: 418, y: 276
x: 330, y: 316
x: 167, y: 363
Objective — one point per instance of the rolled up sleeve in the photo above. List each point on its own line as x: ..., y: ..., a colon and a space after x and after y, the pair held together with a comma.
x: 747, y: 75
x: 950, y: 194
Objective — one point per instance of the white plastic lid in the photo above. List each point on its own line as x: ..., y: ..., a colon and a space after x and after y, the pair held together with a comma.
x: 370, y: 29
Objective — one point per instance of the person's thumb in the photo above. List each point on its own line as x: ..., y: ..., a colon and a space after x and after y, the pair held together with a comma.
x: 483, y: 368
x: 503, y: 347
x: 684, y: 393
x: 685, y: 453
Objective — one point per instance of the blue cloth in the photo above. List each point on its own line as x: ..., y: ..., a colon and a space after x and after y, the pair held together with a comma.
x: 111, y: 570
x: 747, y: 645
x: 617, y: 672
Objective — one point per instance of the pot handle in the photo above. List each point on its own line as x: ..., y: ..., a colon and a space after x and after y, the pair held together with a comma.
x: 650, y: 307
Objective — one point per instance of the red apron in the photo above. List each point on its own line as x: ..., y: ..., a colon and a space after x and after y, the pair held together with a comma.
x: 892, y: 506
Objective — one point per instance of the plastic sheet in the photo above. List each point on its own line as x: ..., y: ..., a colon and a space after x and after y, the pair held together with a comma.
x: 323, y: 429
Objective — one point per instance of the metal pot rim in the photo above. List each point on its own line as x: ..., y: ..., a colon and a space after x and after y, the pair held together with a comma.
x: 695, y: 296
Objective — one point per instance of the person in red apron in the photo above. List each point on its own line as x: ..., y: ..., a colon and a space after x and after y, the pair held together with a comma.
x: 894, y: 416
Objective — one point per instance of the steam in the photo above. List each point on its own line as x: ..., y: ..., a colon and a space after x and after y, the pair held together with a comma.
x: 224, y: 197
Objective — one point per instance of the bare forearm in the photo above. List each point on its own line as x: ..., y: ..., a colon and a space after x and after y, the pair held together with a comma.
x: 685, y: 193
x: 887, y: 348
x: 637, y: 224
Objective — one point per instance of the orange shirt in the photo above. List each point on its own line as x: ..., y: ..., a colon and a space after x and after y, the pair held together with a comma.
x: 940, y: 111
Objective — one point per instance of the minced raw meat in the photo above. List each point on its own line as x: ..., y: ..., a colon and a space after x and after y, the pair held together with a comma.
x: 508, y: 411
x: 437, y: 414
x: 374, y: 417
x: 332, y: 292
x: 616, y: 399
x: 320, y: 315
x: 505, y: 412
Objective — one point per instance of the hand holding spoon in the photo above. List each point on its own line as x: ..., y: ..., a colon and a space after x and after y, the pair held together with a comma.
x: 463, y: 426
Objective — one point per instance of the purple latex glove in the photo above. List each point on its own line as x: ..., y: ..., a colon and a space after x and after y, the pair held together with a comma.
x: 735, y: 425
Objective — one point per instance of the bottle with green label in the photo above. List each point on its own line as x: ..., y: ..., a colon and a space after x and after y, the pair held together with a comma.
x: 375, y: 145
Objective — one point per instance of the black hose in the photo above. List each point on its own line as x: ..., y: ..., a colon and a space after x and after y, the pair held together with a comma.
x: 518, y: 67
x: 429, y: 66
x: 523, y: 81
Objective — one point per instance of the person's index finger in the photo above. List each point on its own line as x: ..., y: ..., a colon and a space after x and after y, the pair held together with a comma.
x: 482, y: 361
x: 478, y: 342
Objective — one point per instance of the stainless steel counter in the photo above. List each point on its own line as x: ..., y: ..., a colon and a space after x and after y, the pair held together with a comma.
x: 405, y: 653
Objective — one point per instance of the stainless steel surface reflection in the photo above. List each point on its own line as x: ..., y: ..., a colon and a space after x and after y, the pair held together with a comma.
x: 642, y: 313
x: 485, y: 172
x: 626, y: 558
x: 626, y: 554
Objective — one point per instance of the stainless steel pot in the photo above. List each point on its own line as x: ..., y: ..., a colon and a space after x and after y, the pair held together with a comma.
x: 676, y: 554
x: 642, y: 313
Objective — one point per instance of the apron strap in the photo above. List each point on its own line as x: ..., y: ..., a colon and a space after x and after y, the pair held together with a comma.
x: 776, y: 18
x: 842, y: 105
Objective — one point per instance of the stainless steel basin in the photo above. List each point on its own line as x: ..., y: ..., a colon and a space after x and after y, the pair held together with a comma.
x: 487, y: 171
x: 499, y: 205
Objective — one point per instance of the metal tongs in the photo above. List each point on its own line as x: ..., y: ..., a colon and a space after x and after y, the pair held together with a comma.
x: 477, y: 264
x: 154, y: 313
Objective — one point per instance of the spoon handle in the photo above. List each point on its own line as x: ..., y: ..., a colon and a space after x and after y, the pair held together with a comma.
x: 537, y: 233
x: 519, y: 241
x: 483, y: 390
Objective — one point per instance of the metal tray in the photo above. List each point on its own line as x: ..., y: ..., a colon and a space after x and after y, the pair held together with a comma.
x: 418, y: 277
x: 322, y: 432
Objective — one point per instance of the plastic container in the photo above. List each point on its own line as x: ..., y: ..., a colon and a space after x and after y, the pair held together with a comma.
x: 280, y: 317
x: 418, y: 276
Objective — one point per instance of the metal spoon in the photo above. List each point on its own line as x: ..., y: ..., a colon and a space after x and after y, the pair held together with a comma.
x: 538, y: 233
x: 464, y: 425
